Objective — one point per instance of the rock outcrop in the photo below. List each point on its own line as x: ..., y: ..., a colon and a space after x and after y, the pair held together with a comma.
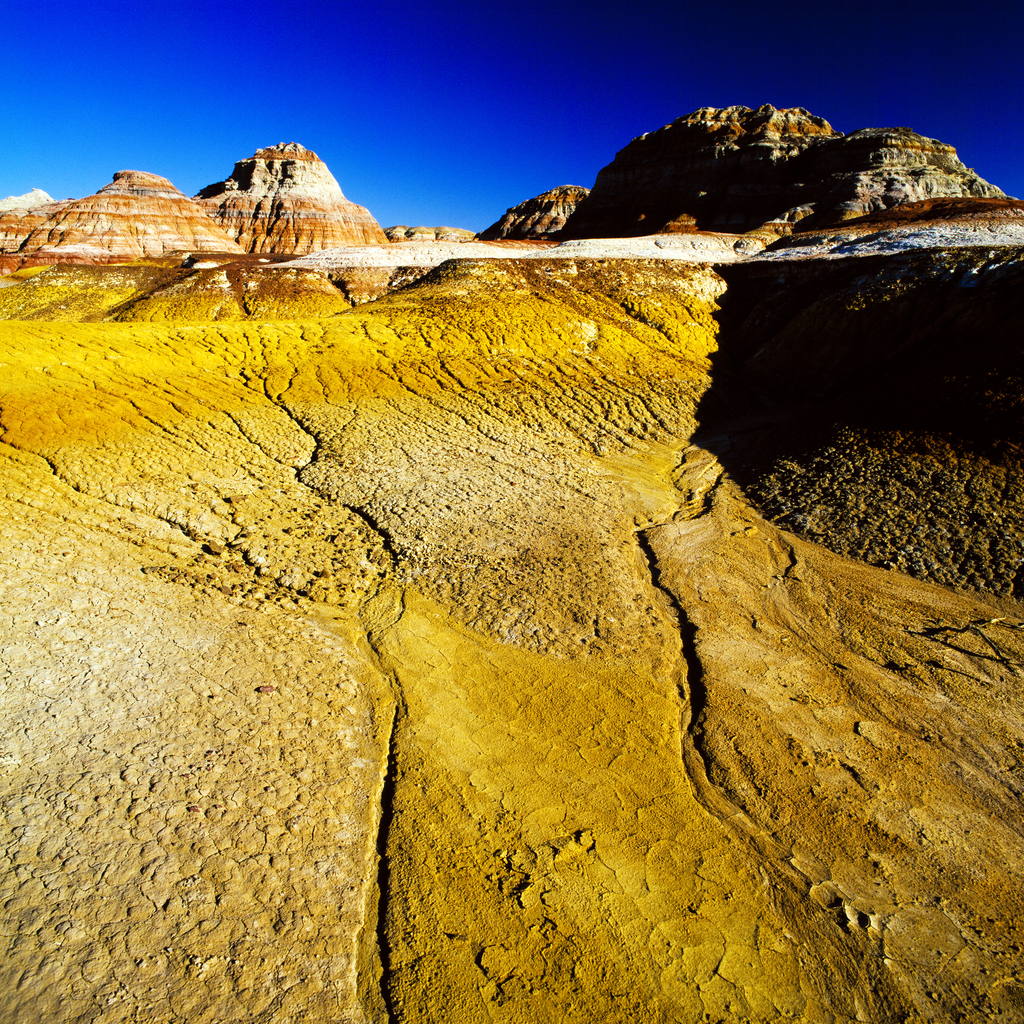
x: 19, y: 217
x: 737, y: 169
x: 404, y: 233
x: 540, y: 217
x: 29, y: 201
x: 136, y: 215
x: 283, y: 199
x: 921, y: 224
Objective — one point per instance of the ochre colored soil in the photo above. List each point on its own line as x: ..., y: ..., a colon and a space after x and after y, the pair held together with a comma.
x: 415, y: 665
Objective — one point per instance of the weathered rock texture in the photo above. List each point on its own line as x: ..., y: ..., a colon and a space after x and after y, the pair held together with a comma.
x: 450, y: 579
x: 906, y: 377
x: 737, y: 169
x: 230, y: 289
x: 18, y: 221
x: 921, y: 224
x: 283, y: 199
x: 540, y: 217
x: 136, y: 215
x: 402, y: 232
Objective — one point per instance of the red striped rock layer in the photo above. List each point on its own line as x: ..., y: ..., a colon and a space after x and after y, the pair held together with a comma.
x: 136, y: 215
x: 737, y: 169
x: 284, y: 200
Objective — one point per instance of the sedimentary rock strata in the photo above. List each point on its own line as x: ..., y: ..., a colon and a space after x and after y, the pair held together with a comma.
x: 136, y: 215
x: 18, y: 220
x: 540, y: 217
x: 921, y: 224
x: 737, y: 169
x: 283, y: 199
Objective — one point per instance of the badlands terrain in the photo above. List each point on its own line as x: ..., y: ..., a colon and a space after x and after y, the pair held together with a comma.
x: 616, y: 618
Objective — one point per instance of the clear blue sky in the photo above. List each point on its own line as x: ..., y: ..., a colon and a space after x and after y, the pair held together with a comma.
x: 449, y: 113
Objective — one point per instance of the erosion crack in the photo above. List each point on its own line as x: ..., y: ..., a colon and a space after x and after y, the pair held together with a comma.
x: 387, y: 797
x: 690, y: 673
x: 372, y: 524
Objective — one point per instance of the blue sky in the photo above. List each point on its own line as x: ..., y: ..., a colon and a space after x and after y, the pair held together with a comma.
x: 450, y: 113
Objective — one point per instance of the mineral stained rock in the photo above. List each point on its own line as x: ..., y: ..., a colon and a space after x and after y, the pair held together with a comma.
x: 230, y: 289
x: 540, y: 217
x: 402, y: 232
x: 19, y: 217
x: 136, y: 215
x: 283, y: 199
x: 738, y: 169
x: 454, y: 580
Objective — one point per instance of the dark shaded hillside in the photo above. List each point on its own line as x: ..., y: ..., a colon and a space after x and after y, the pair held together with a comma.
x: 892, y: 390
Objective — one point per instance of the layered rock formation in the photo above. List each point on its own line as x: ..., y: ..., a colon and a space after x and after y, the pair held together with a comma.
x: 283, y: 199
x: 737, y: 169
x: 404, y: 233
x: 18, y: 220
x: 922, y: 224
x: 216, y: 289
x: 540, y: 217
x: 136, y: 215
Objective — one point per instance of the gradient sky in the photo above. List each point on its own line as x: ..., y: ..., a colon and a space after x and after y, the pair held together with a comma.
x: 449, y: 114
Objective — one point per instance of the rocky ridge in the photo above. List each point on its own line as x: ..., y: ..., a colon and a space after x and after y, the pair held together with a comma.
x: 283, y: 199
x: 738, y: 169
x: 404, y: 233
x: 136, y: 215
x: 921, y: 224
x: 540, y: 217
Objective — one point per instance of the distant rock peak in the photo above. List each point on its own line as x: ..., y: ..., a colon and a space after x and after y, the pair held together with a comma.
x: 422, y: 233
x: 141, y: 183
x: 765, y: 120
x: 286, y: 151
x: 283, y: 199
x: 539, y: 217
x: 28, y: 201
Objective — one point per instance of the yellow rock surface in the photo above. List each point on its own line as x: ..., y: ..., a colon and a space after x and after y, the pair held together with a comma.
x: 413, y: 666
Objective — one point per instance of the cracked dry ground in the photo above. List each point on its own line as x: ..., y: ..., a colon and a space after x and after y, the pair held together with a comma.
x: 415, y: 665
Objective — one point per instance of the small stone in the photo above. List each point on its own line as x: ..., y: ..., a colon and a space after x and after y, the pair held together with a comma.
x: 266, y: 689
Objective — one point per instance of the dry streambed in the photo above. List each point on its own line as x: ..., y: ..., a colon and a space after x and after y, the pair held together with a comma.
x: 416, y: 667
